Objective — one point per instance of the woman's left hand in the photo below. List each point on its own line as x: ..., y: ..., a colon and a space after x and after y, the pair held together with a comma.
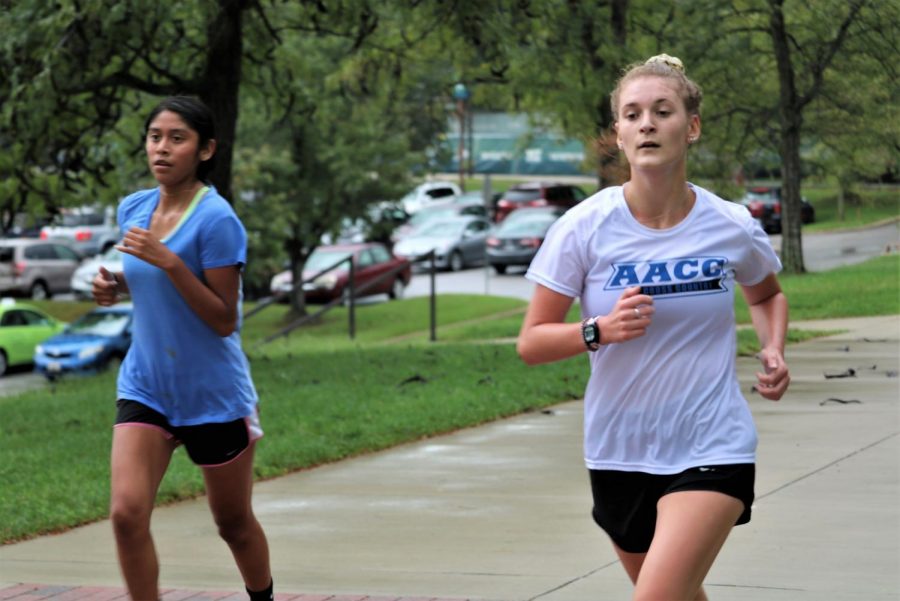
x: 773, y: 381
x: 140, y: 243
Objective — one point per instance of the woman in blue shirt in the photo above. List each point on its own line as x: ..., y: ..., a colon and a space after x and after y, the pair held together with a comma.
x: 185, y: 380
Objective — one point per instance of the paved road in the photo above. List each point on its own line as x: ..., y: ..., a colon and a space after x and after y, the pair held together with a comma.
x: 826, y: 250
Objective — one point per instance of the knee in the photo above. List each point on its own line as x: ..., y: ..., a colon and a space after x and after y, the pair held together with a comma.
x: 129, y: 518
x: 236, y: 528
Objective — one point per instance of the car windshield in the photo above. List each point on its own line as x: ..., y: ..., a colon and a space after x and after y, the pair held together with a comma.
x: 99, y: 324
x: 522, y: 195
x: 322, y: 259
x: 765, y: 195
x: 427, y: 215
x: 534, y: 226
x: 443, y: 229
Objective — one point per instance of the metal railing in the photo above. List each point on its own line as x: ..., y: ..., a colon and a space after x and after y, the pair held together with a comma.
x: 351, y: 293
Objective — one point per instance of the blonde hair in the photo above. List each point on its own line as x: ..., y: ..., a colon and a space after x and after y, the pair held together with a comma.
x: 661, y: 65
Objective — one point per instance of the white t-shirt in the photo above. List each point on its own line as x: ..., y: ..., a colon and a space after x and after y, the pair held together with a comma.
x: 669, y: 400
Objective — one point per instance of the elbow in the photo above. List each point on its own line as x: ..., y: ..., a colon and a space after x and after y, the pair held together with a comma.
x: 226, y: 328
x: 526, y: 352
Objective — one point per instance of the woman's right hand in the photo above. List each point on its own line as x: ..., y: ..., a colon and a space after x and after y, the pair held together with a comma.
x: 629, y: 318
x: 105, y: 288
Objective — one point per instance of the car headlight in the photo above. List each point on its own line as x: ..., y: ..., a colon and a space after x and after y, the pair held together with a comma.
x: 89, y: 352
x: 39, y: 350
x: 327, y: 281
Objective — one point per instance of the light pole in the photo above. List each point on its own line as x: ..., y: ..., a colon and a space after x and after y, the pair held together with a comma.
x: 461, y: 95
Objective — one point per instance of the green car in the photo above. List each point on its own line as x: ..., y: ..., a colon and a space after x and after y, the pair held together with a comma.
x: 23, y: 327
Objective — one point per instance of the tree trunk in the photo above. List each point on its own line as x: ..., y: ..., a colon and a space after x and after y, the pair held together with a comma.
x: 297, y: 296
x: 791, y: 121
x: 220, y: 86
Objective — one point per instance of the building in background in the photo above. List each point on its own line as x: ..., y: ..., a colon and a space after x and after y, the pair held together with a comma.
x: 502, y: 143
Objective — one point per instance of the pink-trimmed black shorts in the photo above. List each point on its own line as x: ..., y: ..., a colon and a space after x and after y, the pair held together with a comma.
x: 208, y: 445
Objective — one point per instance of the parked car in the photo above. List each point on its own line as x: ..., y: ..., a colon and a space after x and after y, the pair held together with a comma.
x: 537, y: 194
x: 86, y: 229
x: 438, y: 212
x: 95, y: 341
x: 764, y: 203
x: 427, y: 193
x: 533, y: 212
x: 22, y: 327
x: 83, y: 277
x: 457, y: 241
x: 377, y: 225
x: 371, y: 261
x: 518, y: 238
x: 35, y: 268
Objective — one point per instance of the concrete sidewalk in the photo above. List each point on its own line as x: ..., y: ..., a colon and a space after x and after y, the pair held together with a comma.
x: 501, y: 512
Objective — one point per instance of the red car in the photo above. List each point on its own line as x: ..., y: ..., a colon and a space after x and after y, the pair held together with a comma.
x: 764, y: 203
x: 371, y: 260
x: 537, y: 194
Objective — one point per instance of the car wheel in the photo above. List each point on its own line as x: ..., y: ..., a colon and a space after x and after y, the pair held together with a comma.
x: 4, y: 364
x: 500, y: 269
x: 39, y: 291
x: 456, y: 262
x: 397, y: 289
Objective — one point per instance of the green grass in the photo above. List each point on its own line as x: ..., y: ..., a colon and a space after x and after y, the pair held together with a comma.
x: 316, y: 406
x: 869, y: 288
x: 873, y: 206
x: 325, y: 397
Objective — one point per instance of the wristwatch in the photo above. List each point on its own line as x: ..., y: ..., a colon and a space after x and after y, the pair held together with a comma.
x: 590, y: 332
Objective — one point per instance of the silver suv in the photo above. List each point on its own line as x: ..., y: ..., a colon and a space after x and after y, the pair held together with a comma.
x: 36, y: 268
x: 88, y: 230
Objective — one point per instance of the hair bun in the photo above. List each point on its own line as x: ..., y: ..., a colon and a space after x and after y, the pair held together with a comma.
x: 671, y: 61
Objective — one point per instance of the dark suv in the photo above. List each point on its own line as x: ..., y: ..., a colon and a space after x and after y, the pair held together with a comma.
x: 537, y: 194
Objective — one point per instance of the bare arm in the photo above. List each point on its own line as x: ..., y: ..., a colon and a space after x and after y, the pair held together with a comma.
x: 545, y: 337
x: 769, y: 313
x: 214, y: 301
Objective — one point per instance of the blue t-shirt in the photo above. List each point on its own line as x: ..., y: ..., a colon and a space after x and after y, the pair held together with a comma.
x: 177, y: 364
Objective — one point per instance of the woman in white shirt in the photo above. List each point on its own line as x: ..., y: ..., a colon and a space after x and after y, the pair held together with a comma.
x: 669, y: 440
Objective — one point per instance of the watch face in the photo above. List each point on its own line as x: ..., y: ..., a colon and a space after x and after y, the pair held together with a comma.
x: 588, y: 332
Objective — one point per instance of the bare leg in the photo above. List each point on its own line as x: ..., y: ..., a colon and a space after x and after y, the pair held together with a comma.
x: 691, y: 528
x: 140, y: 456
x: 229, y: 489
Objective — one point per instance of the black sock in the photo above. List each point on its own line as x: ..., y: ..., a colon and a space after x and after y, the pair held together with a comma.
x: 264, y: 595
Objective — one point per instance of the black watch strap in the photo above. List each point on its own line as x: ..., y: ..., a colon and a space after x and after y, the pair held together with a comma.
x: 590, y: 333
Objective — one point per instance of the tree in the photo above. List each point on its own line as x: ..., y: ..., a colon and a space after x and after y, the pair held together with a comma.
x: 79, y: 69
x: 349, y: 119
x: 767, y: 65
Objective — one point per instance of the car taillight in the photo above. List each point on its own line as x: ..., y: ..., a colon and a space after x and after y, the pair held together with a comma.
x: 538, y: 202
x: 83, y: 235
x: 44, y: 234
x: 756, y: 208
x: 492, y: 241
x: 778, y: 208
x: 18, y: 268
x: 504, y: 204
x: 530, y: 242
